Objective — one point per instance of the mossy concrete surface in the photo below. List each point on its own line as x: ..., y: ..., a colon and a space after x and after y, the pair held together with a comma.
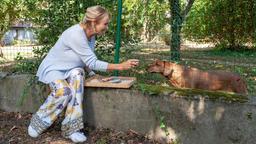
x: 167, y: 116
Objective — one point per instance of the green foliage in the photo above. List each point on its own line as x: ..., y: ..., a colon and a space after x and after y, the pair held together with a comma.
x: 157, y: 90
x: 24, y: 65
x: 161, y: 118
x: 32, y: 84
x: 227, y: 22
x: 11, y: 11
x: 55, y: 16
x: 105, y: 51
x: 254, y: 71
x: 144, y: 18
x: 249, y: 115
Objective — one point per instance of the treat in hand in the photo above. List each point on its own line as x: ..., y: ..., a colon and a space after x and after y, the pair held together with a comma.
x: 134, y: 62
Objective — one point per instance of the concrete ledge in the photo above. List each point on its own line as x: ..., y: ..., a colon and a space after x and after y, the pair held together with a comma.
x: 189, y: 121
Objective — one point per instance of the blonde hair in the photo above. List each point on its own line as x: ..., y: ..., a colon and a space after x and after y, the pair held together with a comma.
x: 94, y: 14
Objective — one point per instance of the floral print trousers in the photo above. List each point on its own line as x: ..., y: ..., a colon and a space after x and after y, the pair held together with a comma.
x: 64, y: 94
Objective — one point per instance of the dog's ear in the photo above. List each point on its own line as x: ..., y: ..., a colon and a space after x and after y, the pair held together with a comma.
x: 159, y: 62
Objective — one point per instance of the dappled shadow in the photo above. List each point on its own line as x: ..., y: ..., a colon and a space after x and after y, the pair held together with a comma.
x: 202, y: 121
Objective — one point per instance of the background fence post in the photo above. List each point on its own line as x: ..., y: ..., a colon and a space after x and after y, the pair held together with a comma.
x: 118, y: 34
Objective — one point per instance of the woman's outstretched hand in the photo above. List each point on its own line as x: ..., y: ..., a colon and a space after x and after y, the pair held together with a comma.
x: 129, y: 64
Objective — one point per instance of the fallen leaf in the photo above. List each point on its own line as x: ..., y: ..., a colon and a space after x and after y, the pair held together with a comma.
x: 14, y: 127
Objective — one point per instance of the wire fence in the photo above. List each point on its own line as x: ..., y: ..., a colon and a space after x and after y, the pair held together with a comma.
x: 10, y: 53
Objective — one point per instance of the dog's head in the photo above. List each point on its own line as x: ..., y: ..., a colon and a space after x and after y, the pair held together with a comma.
x: 159, y: 66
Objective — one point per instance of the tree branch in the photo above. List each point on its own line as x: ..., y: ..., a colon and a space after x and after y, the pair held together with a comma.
x: 185, y: 12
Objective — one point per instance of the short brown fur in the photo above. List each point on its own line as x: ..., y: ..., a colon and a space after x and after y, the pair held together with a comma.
x: 184, y: 77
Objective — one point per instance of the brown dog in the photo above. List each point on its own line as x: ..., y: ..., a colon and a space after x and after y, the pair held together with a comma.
x: 184, y: 77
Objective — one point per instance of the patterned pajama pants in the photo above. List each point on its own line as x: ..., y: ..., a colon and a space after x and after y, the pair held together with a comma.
x: 64, y: 93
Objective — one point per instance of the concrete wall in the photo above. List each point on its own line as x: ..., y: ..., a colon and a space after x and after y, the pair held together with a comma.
x: 189, y: 121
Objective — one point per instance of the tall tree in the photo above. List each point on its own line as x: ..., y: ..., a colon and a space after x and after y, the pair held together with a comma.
x: 178, y: 16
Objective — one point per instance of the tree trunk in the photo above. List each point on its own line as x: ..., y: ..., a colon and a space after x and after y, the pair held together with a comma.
x: 176, y: 22
x: 177, y: 18
x: 254, y: 23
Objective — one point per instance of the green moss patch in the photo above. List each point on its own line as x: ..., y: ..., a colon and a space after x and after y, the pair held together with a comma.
x: 212, y: 95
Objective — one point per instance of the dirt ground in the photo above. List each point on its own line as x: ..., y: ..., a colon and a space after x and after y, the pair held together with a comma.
x: 13, y: 130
